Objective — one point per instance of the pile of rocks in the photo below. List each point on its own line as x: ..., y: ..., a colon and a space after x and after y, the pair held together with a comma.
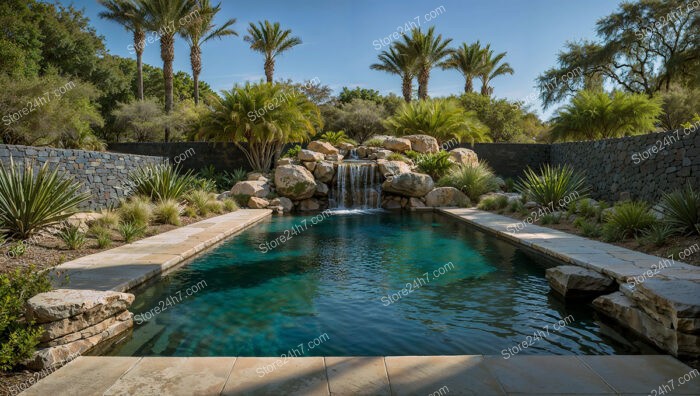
x: 75, y: 321
x: 306, y: 182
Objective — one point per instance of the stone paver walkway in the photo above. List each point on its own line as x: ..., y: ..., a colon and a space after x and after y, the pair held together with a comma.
x: 614, y: 261
x: 399, y: 375
x: 127, y: 266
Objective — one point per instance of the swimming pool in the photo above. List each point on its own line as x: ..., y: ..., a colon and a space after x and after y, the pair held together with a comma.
x: 363, y: 284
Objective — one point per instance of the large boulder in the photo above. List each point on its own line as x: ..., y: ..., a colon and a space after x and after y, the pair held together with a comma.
x: 381, y: 154
x: 573, y: 281
x: 65, y: 303
x: 294, y: 182
x: 675, y: 303
x: 409, y: 184
x: 286, y: 203
x: 321, y: 189
x: 397, y: 144
x: 258, y: 203
x: 324, y: 171
x: 393, y: 168
x: 310, y: 156
x: 423, y: 143
x: 322, y: 147
x: 309, y: 205
x: 251, y: 188
x: 464, y: 156
x: 446, y: 197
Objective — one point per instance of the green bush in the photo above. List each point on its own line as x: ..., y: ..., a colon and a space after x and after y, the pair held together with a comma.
x: 167, y: 212
x: 335, y: 138
x: 588, y: 229
x: 551, y: 218
x: 199, y: 200
x: 230, y: 205
x: 71, y: 236
x: 494, y: 202
x: 397, y: 157
x: 627, y: 219
x: 31, y: 201
x: 130, y: 231
x: 412, y: 155
x: 293, y: 152
x: 658, y: 235
x: 161, y: 182
x: 18, y: 336
x: 374, y: 143
x: 17, y: 250
x: 435, y: 164
x: 102, y: 234
x: 681, y: 209
x: 473, y: 180
x: 553, y: 186
x: 223, y: 180
x: 137, y: 210
x: 515, y: 206
x: 109, y: 219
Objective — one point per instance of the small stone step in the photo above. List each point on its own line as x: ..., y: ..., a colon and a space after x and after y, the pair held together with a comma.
x: 571, y: 281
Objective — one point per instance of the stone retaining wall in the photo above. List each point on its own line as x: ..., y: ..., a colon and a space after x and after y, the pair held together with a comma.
x: 102, y: 174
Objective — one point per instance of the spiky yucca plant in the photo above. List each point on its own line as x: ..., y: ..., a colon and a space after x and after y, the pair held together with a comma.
x: 553, y: 185
x: 681, y: 209
x: 161, y: 182
x: 31, y: 201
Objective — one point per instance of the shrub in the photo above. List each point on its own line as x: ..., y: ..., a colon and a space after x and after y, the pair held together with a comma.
x: 657, y: 235
x: 17, y: 250
x: 627, y: 219
x: 552, y: 186
x: 681, y: 209
x: 199, y: 200
x: 167, y: 212
x: 494, y: 202
x: 435, y: 164
x: 397, y: 157
x: 19, y: 337
x: 31, y: 201
x: 102, y: 234
x: 161, y: 182
x: 374, y: 143
x: 109, y: 219
x: 509, y: 184
x: 588, y: 229
x: 214, y: 205
x: 130, y: 231
x: 223, y: 180
x: 335, y: 138
x: 71, y: 236
x: 234, y: 177
x: 292, y: 152
x: 515, y: 206
x: 551, y: 218
x: 137, y: 210
x: 474, y: 181
x: 230, y: 205
x: 412, y: 155
x: 189, y: 211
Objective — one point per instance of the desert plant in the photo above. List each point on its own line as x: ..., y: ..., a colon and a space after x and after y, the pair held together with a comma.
x: 214, y: 205
x: 200, y: 200
x: 200, y: 183
x: 515, y: 206
x: 102, y: 234
x: 230, y: 205
x: 292, y: 152
x: 130, y: 231
x: 588, y: 229
x: 236, y: 176
x: 189, y: 211
x: 509, y: 184
x: 681, y: 209
x: 17, y: 250
x: 398, y: 157
x: 104, y: 241
x: 137, y: 210
x: 167, y: 212
x: 550, y: 218
x: 31, y: 201
x: 18, y: 334
x: 627, y: 219
x: 71, y: 235
x: 473, y: 180
x: 435, y: 164
x: 161, y: 182
x: 335, y: 138
x: 109, y: 218
x: 657, y: 235
x: 375, y: 142
x: 553, y: 186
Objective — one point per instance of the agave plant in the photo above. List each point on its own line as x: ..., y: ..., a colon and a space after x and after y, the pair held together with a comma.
x: 474, y: 181
x: 554, y: 186
x: 161, y: 182
x: 31, y: 201
x: 629, y: 218
x: 681, y: 209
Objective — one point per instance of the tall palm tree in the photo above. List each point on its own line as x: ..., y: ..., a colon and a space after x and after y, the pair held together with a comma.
x: 428, y: 51
x: 468, y: 60
x: 131, y: 16
x: 268, y: 39
x: 492, y: 69
x: 201, y: 30
x: 400, y: 64
x: 162, y: 16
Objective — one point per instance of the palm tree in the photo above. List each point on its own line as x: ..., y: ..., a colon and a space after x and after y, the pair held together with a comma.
x: 427, y: 50
x: 161, y: 17
x: 491, y: 69
x: 131, y: 15
x: 400, y: 64
x: 198, y: 32
x: 270, y: 40
x: 468, y: 60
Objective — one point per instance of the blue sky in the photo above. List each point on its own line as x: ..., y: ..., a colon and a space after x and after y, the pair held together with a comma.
x: 339, y: 39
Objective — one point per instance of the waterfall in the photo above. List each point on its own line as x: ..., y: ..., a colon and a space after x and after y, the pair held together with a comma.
x: 358, y: 186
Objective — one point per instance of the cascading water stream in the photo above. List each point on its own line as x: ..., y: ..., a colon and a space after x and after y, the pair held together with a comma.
x: 358, y: 186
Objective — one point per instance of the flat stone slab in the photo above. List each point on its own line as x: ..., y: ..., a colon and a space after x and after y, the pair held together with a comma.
x: 65, y: 303
x: 391, y: 375
x: 127, y: 266
x: 572, y: 281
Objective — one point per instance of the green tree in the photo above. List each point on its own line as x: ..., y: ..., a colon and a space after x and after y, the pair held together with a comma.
x: 140, y: 121
x: 402, y: 65
x: 360, y: 118
x: 679, y: 106
x: 469, y: 61
x: 260, y: 119
x: 491, y: 68
x: 20, y: 39
x: 500, y: 115
x: 427, y: 50
x: 132, y: 17
x: 347, y: 95
x: 270, y: 40
x: 443, y: 119
x: 201, y: 30
x: 160, y: 17
x: 595, y: 115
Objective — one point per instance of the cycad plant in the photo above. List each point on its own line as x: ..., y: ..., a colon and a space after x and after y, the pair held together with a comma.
x: 595, y: 115
x: 681, y: 209
x: 553, y: 186
x: 32, y: 200
x: 270, y: 40
x: 442, y: 119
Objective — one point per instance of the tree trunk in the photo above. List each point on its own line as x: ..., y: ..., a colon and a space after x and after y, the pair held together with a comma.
x: 468, y: 85
x: 167, y: 53
x: 139, y: 43
x: 196, y: 61
x: 269, y: 68
x: 407, y: 87
x: 423, y: 78
x: 485, y: 87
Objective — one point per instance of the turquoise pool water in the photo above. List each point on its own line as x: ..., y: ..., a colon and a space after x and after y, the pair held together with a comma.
x: 363, y: 284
